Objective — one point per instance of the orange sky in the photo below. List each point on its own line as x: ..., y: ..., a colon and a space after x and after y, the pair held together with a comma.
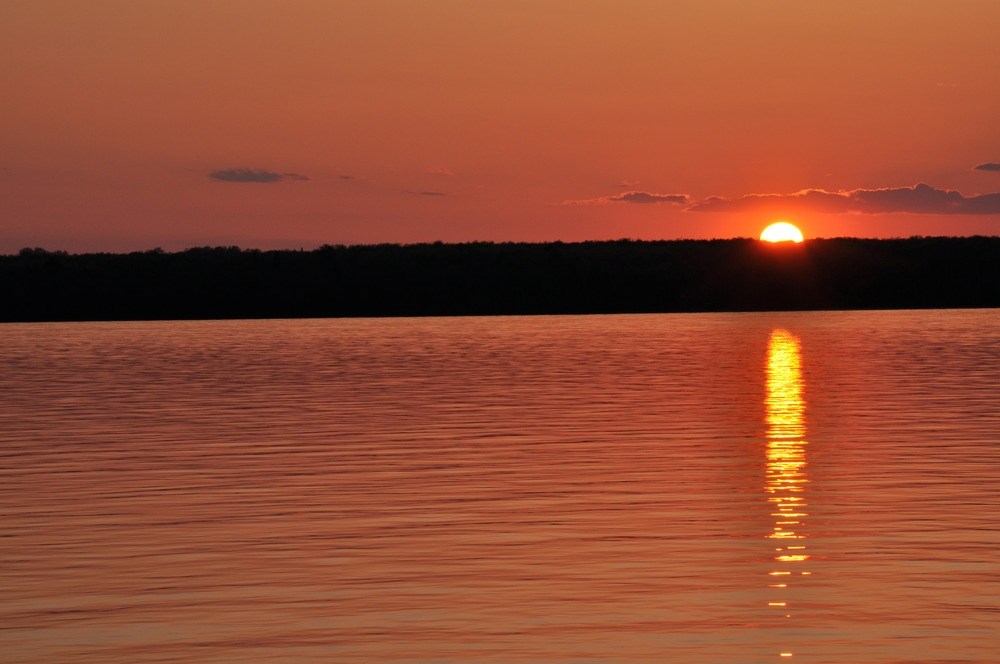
x: 115, y: 115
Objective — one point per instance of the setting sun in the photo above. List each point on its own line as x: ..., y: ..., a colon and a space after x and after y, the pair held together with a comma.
x: 781, y: 231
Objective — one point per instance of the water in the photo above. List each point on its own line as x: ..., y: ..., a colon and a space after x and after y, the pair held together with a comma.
x: 689, y: 488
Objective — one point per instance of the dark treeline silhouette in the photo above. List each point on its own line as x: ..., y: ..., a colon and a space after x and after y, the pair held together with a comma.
x: 510, y: 278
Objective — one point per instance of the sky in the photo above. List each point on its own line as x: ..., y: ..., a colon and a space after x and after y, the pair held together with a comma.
x: 294, y: 123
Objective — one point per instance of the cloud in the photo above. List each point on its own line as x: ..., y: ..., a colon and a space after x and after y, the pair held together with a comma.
x: 253, y: 175
x: 988, y: 166
x: 440, y: 170
x: 347, y: 177
x: 635, y: 197
x: 815, y: 200
x: 918, y: 199
x: 428, y: 193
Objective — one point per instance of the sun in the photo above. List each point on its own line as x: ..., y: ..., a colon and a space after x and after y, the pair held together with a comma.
x: 781, y: 231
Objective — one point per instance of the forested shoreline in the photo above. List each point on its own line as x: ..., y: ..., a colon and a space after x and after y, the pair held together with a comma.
x: 485, y: 278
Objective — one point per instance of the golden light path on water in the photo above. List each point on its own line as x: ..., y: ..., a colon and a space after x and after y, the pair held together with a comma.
x: 786, y: 478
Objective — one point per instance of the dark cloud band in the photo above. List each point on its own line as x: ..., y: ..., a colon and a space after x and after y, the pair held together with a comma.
x: 253, y: 175
x: 988, y: 166
x: 918, y: 199
x: 634, y: 197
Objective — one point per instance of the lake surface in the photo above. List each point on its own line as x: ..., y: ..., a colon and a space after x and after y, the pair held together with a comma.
x: 817, y: 486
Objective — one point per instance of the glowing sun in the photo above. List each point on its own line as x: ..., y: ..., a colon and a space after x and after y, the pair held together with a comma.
x: 781, y: 231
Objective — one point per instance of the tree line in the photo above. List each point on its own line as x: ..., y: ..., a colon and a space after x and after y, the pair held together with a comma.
x: 484, y: 278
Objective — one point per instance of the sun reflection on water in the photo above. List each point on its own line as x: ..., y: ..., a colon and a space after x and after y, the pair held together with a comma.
x: 786, y: 462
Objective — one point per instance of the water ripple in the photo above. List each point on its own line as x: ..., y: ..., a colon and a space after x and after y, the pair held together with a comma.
x: 500, y: 489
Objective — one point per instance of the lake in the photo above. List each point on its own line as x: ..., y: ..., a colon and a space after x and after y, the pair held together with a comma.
x: 761, y: 487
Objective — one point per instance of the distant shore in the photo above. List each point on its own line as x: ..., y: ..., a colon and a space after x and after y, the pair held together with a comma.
x: 502, y: 278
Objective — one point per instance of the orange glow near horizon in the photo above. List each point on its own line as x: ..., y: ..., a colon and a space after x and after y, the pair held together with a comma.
x: 781, y: 231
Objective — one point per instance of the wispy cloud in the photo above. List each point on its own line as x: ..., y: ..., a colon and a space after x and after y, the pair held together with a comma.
x: 440, y: 170
x: 428, y: 193
x: 633, y: 197
x: 988, y: 166
x: 257, y: 175
x: 918, y: 199
x: 346, y: 177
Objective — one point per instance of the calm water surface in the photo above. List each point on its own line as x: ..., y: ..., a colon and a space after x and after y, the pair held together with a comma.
x: 823, y: 487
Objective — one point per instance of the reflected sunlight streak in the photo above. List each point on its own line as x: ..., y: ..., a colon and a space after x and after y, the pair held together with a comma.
x: 786, y: 457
